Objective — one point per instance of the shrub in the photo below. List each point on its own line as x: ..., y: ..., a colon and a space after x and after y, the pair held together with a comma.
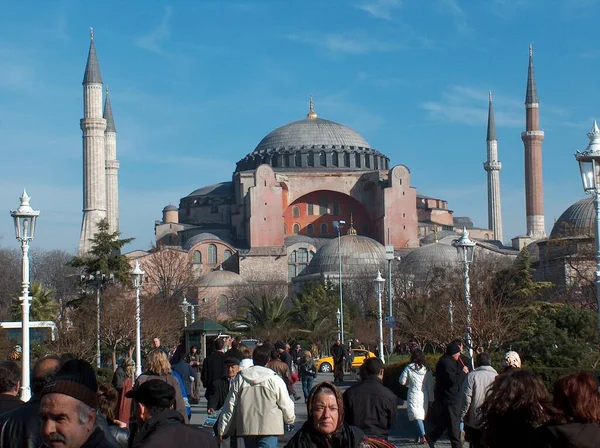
x: 392, y: 373
x: 549, y: 375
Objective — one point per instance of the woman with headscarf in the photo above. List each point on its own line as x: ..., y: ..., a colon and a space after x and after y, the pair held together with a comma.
x: 325, y: 426
x: 511, y: 360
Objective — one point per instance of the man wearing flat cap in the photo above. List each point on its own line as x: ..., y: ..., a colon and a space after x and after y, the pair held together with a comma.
x: 68, y: 408
x: 162, y: 425
x: 217, y: 393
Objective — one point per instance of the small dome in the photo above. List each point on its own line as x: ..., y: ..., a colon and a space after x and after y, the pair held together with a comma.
x: 423, y: 258
x: 577, y: 220
x: 220, y: 279
x: 170, y: 208
x: 360, y: 255
x: 191, y: 242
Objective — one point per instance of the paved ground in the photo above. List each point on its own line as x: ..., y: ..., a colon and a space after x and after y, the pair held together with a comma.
x: 402, y: 434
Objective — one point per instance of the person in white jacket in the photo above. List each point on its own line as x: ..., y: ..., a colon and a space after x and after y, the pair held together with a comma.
x: 257, y: 405
x: 419, y: 380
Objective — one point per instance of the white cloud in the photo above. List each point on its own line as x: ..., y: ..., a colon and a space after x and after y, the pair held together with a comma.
x: 154, y: 40
x: 344, y: 44
x: 380, y: 9
x: 459, y: 16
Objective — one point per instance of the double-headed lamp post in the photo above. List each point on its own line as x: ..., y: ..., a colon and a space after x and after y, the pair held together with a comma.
x: 338, y: 314
x: 338, y: 226
x: 24, y: 218
x: 185, y: 307
x: 589, y: 165
x: 379, y: 281
x: 466, y: 250
x: 137, y: 278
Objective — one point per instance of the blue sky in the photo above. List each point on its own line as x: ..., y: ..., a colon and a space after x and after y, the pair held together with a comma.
x: 195, y: 85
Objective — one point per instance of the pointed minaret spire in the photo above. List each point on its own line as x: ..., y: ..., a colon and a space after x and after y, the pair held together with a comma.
x: 311, y: 112
x: 493, y: 167
x: 532, y: 141
x: 531, y: 96
x: 92, y: 68
x: 491, y: 127
x: 108, y: 115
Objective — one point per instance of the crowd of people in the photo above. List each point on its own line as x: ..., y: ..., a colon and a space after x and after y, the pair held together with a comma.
x: 250, y: 396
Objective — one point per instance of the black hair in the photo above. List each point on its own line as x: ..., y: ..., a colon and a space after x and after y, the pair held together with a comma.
x: 372, y: 366
x: 219, y: 344
x: 483, y: 359
x: 274, y: 355
x: 418, y: 357
x: 9, y: 376
x: 260, y: 355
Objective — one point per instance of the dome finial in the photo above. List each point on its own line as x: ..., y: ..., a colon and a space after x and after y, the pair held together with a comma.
x: 435, y: 234
x: 311, y: 112
x: 352, y: 230
x: 91, y: 33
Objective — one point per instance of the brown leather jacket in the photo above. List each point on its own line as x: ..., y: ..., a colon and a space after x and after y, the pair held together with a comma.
x: 281, y: 368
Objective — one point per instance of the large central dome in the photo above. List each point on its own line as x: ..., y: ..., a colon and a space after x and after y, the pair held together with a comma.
x: 314, y: 143
x: 311, y: 133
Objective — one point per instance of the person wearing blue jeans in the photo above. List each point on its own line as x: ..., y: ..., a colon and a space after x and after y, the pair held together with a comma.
x: 261, y: 441
x: 307, y: 371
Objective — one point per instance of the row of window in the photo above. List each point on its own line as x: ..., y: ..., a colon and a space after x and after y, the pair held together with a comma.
x: 212, y: 255
x: 310, y: 229
x: 323, y: 209
x: 289, y: 160
x: 298, y: 260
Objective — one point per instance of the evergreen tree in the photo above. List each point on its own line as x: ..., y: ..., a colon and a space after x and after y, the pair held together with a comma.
x: 105, y: 254
x: 521, y: 287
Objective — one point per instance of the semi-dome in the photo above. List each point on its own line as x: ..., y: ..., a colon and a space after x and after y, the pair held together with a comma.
x: 220, y: 279
x: 422, y: 259
x: 220, y: 189
x: 191, y: 242
x: 577, y: 220
x: 314, y: 143
x: 360, y: 255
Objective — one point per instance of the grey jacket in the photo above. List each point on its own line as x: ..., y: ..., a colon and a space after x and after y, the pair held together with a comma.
x: 473, y: 393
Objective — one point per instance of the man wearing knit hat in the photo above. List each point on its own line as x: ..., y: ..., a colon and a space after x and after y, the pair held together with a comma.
x: 449, y: 376
x: 68, y: 408
x: 162, y: 425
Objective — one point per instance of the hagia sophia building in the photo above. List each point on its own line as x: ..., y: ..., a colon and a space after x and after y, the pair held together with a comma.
x: 277, y: 219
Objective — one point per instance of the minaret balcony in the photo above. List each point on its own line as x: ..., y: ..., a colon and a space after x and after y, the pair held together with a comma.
x: 492, y: 166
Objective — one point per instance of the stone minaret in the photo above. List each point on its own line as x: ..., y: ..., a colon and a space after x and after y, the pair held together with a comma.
x: 94, y: 171
x: 112, y: 167
x: 532, y: 139
x: 493, y: 167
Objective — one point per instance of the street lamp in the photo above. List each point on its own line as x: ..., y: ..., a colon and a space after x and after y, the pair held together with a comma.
x: 338, y: 226
x: 338, y: 315
x: 451, y: 312
x: 24, y: 218
x: 185, y: 307
x: 99, y: 278
x: 379, y: 281
x: 589, y: 165
x: 137, y: 278
x: 466, y: 250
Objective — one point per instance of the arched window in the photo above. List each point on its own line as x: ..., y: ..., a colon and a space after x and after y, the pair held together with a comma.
x: 310, y: 229
x: 367, y: 161
x: 334, y: 158
x: 322, y: 158
x: 346, y: 159
x: 296, y: 229
x: 275, y: 161
x: 212, y: 254
x: 292, y: 257
x: 296, y: 211
x: 487, y: 236
x: 376, y: 162
x: 197, y: 258
x: 286, y: 160
x: 311, y: 158
x: 298, y: 158
x: 323, y: 206
x: 310, y: 209
x: 226, y: 254
x: 324, y: 229
x: 357, y: 160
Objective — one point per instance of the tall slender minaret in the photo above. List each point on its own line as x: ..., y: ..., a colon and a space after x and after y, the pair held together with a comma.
x: 94, y: 171
x: 493, y: 167
x: 532, y: 140
x: 112, y: 167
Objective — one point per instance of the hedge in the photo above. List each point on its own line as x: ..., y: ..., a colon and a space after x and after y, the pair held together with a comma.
x: 392, y: 373
x: 549, y: 375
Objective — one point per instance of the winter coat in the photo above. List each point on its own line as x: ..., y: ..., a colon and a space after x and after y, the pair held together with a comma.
x: 420, y: 390
x: 171, y: 381
x: 473, y: 394
x: 258, y: 404
x: 118, y: 378
x: 97, y: 439
x: 21, y: 427
x: 449, y: 377
x: 570, y: 435
x: 213, y: 368
x: 338, y: 353
x: 168, y: 429
x: 308, y: 437
x: 370, y: 406
x: 307, y: 367
x: 217, y: 393
x: 186, y: 372
x: 9, y: 402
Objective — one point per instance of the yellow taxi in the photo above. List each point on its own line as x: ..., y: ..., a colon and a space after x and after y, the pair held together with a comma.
x: 326, y: 364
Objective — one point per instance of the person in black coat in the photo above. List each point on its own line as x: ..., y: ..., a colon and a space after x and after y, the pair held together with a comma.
x: 338, y: 352
x: 119, y: 376
x: 10, y: 383
x: 369, y: 405
x: 161, y: 425
x: 218, y: 390
x: 213, y: 366
x: 234, y: 351
x: 449, y: 376
x: 185, y: 371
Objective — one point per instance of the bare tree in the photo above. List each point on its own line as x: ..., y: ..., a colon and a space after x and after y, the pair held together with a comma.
x: 169, y: 274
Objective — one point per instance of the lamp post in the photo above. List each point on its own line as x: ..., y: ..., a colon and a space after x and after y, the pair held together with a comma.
x: 338, y: 314
x: 466, y: 249
x: 24, y: 219
x: 185, y: 307
x: 98, y: 278
x: 589, y: 165
x: 379, y: 281
x: 338, y: 225
x: 137, y: 278
x: 451, y: 312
